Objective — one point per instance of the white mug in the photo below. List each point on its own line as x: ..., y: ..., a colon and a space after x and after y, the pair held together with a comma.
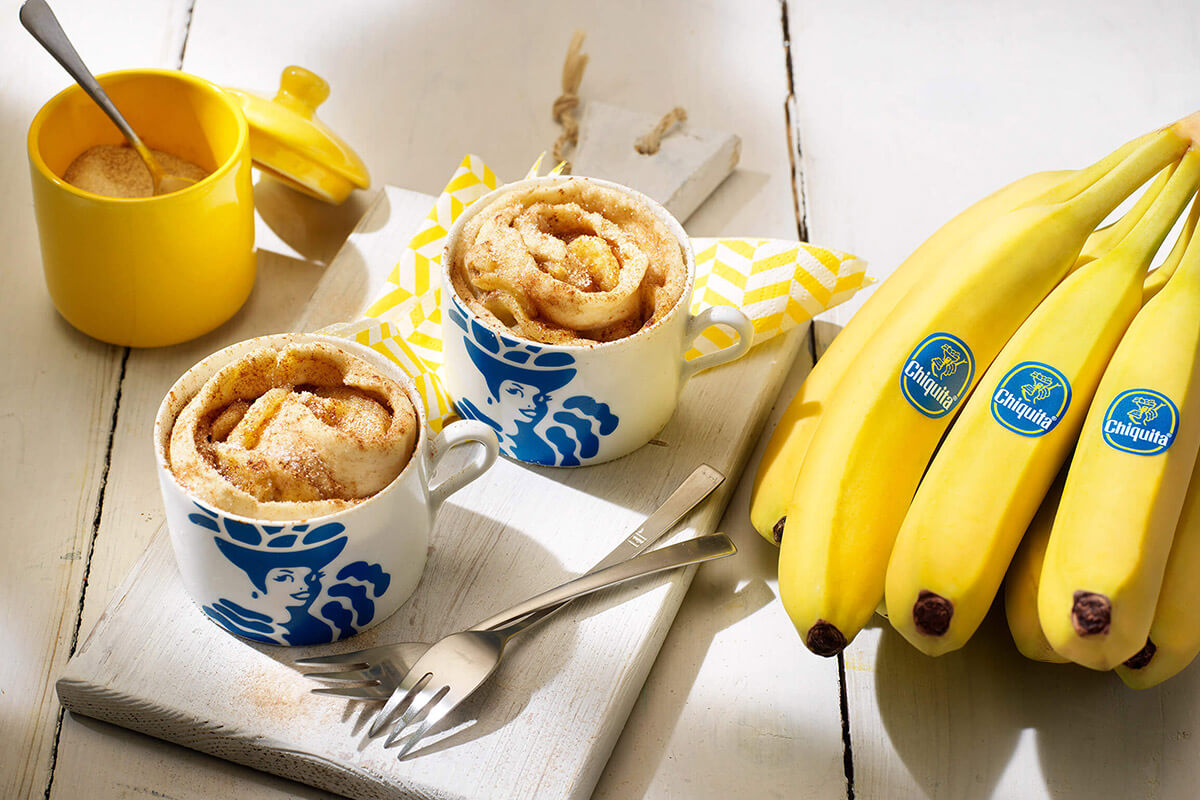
x: 317, y: 580
x: 574, y: 405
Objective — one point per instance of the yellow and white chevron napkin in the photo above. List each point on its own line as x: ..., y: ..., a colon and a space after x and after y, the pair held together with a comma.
x: 779, y: 284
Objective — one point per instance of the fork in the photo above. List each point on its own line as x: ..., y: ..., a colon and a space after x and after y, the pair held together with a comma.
x: 458, y: 664
x: 382, y: 667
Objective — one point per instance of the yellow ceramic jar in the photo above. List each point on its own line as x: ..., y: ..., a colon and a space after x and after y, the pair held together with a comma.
x: 148, y: 271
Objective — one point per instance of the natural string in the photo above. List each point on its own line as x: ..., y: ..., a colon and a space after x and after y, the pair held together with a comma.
x: 648, y: 145
x: 567, y: 103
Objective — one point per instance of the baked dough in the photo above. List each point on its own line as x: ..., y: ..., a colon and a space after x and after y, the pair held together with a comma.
x: 568, y: 263
x: 291, y: 433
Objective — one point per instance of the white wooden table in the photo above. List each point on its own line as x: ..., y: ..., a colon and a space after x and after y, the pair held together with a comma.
x: 864, y: 126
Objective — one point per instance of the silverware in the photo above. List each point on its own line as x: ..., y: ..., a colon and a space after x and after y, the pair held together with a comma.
x: 39, y: 20
x: 383, y: 667
x: 451, y: 670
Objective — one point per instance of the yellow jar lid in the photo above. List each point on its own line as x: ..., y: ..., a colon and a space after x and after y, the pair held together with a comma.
x: 290, y: 144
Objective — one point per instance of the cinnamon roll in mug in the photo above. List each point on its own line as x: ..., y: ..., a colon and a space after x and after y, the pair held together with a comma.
x: 295, y: 475
x: 565, y: 321
x: 570, y: 262
x: 291, y: 432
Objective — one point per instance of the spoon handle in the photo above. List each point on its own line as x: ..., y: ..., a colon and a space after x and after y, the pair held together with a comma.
x: 41, y: 23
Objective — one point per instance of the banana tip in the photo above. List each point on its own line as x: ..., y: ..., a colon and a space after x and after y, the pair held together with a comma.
x: 932, y: 613
x: 777, y: 531
x: 1141, y: 658
x: 825, y: 639
x: 1091, y: 613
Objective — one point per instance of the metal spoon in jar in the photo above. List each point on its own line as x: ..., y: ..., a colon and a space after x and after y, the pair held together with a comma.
x: 40, y: 21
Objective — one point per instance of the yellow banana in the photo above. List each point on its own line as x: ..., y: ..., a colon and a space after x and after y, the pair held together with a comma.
x: 1078, y: 180
x: 884, y: 418
x: 776, y: 476
x: 1174, y: 639
x: 1127, y: 481
x: 983, y: 487
x: 1021, y: 582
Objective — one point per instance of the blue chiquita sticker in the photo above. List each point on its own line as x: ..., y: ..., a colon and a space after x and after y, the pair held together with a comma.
x: 1031, y: 399
x: 1141, y: 421
x: 937, y: 374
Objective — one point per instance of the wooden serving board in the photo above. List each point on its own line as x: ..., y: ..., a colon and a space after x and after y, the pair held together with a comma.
x: 546, y: 722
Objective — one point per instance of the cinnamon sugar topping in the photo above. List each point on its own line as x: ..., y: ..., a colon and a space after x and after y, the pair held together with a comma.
x: 292, y: 433
x: 569, y: 262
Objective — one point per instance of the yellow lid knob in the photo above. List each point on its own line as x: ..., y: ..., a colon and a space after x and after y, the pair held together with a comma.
x: 302, y: 91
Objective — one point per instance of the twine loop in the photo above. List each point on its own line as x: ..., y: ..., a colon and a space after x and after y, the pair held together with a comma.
x: 566, y: 107
x: 648, y: 145
x: 568, y: 102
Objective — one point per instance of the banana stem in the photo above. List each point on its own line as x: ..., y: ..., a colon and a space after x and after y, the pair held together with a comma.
x: 1081, y: 179
x: 1157, y: 279
x: 1189, y: 127
x: 1105, y: 239
x: 1189, y: 264
x: 1150, y: 231
x: 1097, y: 201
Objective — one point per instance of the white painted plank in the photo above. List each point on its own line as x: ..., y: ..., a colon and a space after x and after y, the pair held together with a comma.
x: 57, y: 395
x: 417, y: 85
x: 120, y: 763
x: 735, y: 704
x: 908, y: 113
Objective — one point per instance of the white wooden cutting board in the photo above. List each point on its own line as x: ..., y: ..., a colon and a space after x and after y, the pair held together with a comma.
x: 545, y: 724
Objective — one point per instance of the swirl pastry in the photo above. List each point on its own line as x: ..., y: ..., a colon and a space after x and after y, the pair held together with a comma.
x: 568, y: 263
x: 297, y: 432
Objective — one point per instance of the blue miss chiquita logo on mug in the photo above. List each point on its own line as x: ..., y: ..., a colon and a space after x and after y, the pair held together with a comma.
x: 290, y: 586
x: 937, y: 374
x: 529, y: 401
x: 1141, y: 421
x: 1031, y: 399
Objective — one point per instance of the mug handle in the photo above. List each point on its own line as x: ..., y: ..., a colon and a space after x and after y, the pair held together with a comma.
x: 717, y: 315
x: 455, y: 434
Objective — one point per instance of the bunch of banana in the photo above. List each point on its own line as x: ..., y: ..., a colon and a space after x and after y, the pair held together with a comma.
x: 879, y: 424
x: 775, y: 480
x: 1020, y: 585
x: 1127, y: 481
x: 982, y: 489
